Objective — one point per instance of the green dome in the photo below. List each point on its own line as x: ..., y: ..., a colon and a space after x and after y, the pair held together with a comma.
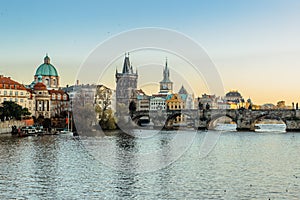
x: 46, y: 69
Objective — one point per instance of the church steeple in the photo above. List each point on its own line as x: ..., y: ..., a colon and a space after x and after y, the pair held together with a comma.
x: 166, y: 73
x: 166, y: 86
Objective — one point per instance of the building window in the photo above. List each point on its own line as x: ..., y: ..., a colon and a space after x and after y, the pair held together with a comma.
x: 11, y: 99
x: 16, y: 93
x: 65, y: 97
x: 16, y: 100
x: 10, y: 93
x: 53, y: 96
x: 21, y: 100
x: 59, y: 97
x: 21, y: 93
x: 47, y: 82
x: 5, y: 92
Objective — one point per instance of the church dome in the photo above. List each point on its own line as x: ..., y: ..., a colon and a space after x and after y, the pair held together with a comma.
x: 233, y: 94
x: 46, y: 69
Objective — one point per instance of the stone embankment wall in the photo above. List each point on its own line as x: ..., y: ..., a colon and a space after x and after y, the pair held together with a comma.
x: 5, y: 127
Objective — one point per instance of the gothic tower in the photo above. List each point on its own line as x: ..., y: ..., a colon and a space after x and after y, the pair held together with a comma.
x: 126, y: 83
x: 166, y: 86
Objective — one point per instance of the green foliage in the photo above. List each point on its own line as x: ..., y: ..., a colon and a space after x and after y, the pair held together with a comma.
x: 11, y: 110
x: 105, y: 114
x: 107, y: 121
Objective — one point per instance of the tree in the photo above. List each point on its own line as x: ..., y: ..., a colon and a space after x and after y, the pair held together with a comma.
x: 107, y: 122
x: 104, y: 96
x: 11, y: 110
x: 103, y: 107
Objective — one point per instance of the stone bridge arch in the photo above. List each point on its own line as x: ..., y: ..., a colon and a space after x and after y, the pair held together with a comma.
x: 217, y: 116
x: 136, y: 118
x: 192, y: 114
x: 268, y: 115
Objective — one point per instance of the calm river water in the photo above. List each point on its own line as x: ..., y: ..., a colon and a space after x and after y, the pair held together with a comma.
x: 243, y: 165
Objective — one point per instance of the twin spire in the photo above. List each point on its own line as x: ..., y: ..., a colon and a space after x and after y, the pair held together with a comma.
x: 127, y: 67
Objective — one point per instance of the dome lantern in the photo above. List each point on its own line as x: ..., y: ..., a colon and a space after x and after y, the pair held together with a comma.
x: 47, y: 60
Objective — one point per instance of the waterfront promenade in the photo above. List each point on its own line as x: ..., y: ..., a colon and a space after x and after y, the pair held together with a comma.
x: 6, y: 126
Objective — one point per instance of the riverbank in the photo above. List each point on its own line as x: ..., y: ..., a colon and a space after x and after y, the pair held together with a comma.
x: 6, y: 126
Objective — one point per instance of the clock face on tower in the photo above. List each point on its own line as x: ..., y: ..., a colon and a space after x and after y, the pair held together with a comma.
x: 164, y: 86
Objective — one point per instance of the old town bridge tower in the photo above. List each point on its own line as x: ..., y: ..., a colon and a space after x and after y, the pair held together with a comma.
x: 126, y: 82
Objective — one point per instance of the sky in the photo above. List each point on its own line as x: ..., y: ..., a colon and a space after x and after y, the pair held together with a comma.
x: 254, y: 45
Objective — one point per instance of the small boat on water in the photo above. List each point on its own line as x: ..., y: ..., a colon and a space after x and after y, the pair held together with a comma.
x: 28, y: 131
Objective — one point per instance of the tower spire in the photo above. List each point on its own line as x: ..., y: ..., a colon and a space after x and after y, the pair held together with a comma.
x: 166, y: 72
x: 127, y: 68
x: 166, y: 61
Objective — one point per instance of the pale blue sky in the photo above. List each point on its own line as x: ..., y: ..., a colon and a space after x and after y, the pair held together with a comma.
x: 254, y: 44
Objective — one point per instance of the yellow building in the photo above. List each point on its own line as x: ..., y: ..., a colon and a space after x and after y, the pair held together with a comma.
x: 176, y: 102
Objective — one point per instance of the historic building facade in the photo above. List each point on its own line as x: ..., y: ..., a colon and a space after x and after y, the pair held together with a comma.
x: 235, y: 99
x: 143, y: 100
x: 42, y: 100
x: 157, y: 103
x: 126, y: 82
x: 49, y: 99
x: 42, y: 97
x: 11, y: 90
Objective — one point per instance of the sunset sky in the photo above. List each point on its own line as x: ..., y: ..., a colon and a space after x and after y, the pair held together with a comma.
x: 255, y: 45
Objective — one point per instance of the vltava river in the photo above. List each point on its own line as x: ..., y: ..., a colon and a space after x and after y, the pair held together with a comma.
x: 243, y: 165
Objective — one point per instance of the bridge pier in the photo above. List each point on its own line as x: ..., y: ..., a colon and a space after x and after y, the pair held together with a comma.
x: 202, y: 125
x: 292, y: 125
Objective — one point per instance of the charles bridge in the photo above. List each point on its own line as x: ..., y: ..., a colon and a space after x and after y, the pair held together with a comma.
x: 204, y: 119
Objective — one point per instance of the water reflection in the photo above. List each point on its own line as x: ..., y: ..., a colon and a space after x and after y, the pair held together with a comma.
x: 247, y: 165
x: 44, y: 165
x: 125, y: 177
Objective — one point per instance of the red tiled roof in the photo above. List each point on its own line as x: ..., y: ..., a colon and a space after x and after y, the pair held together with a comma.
x: 40, y: 86
x: 7, y: 83
x: 56, y: 92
